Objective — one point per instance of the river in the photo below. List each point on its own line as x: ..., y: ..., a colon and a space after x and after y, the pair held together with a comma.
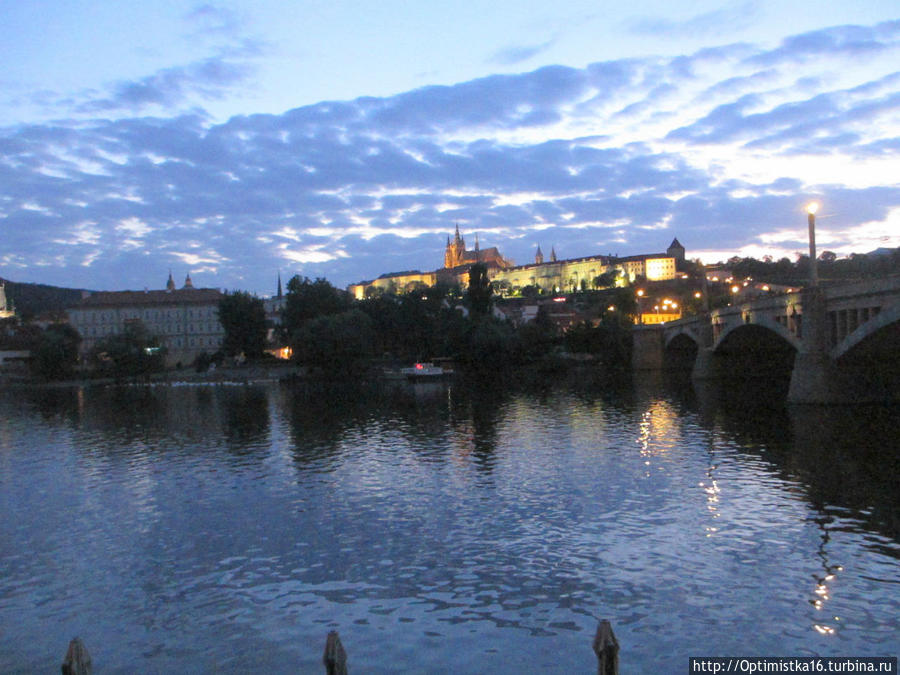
x: 441, y: 528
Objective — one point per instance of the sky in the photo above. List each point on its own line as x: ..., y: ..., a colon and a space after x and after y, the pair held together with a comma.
x: 346, y: 139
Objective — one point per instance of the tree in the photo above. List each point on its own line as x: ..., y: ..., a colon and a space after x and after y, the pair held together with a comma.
x: 605, y: 280
x: 131, y: 353
x: 335, y: 343
x: 480, y: 290
x: 243, y: 316
x: 56, y: 353
x: 311, y: 299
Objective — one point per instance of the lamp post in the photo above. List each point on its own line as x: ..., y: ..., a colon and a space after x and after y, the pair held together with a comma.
x: 811, y: 209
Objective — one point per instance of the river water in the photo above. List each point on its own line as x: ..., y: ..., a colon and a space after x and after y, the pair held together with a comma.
x: 441, y: 528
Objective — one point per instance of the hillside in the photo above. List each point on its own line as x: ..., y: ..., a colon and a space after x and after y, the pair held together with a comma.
x: 31, y: 300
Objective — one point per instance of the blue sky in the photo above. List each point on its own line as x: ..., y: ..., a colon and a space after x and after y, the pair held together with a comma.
x: 347, y: 139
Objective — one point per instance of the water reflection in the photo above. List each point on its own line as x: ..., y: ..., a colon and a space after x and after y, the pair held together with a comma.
x: 433, y: 524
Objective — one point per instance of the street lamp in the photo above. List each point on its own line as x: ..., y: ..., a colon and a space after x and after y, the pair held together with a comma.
x: 811, y: 209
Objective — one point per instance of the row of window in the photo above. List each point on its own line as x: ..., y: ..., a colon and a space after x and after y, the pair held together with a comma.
x: 146, y: 315
x: 100, y: 331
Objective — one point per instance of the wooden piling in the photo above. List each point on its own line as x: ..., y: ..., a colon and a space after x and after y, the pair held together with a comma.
x: 335, y: 658
x: 606, y: 647
x: 77, y: 661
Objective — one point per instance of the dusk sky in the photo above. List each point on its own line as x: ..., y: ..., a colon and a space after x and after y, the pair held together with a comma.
x: 347, y: 139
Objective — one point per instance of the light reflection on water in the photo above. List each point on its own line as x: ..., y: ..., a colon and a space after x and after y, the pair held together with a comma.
x: 229, y: 528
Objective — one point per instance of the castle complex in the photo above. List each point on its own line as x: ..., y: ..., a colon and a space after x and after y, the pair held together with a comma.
x: 551, y: 276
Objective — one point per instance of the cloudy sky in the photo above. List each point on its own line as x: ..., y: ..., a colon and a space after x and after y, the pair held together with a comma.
x: 346, y: 139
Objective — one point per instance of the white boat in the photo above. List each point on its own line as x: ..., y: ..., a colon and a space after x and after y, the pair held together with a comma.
x: 425, y: 371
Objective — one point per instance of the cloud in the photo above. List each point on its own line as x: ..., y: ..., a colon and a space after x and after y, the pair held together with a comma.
x: 731, y: 19
x: 514, y: 54
x: 834, y: 42
x: 208, y: 79
x: 620, y: 156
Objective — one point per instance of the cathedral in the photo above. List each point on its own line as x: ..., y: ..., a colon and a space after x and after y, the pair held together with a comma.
x: 456, y: 255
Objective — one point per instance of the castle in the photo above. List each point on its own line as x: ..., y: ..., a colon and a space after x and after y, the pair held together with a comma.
x: 551, y: 277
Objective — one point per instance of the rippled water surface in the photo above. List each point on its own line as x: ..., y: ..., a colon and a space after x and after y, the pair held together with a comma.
x: 440, y: 528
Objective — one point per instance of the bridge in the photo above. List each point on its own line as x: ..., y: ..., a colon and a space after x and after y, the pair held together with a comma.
x: 835, y: 343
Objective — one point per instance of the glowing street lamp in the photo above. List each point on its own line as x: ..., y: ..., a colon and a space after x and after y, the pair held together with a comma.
x: 811, y: 209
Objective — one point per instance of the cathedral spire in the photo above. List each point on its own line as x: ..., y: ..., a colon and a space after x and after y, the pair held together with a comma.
x: 279, y: 285
x: 187, y: 281
x: 552, y: 254
x: 170, y: 284
x: 539, y: 256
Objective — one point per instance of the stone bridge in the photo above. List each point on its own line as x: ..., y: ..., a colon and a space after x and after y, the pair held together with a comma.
x: 835, y: 342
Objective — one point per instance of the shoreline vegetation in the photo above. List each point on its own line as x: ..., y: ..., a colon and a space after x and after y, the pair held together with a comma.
x: 330, y: 335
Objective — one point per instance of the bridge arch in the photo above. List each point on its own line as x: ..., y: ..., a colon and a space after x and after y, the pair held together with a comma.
x: 884, y: 318
x: 685, y: 332
x: 867, y: 363
x: 762, y: 322
x: 680, y: 350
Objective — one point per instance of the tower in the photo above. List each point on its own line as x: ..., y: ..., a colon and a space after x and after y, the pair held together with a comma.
x: 170, y: 284
x: 539, y: 256
x: 187, y: 281
x: 455, y: 252
x: 552, y: 254
x: 676, y: 250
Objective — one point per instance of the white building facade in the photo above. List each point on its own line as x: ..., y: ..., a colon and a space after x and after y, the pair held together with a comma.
x: 185, y: 320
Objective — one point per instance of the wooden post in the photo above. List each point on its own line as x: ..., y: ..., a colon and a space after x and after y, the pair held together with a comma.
x: 78, y: 661
x: 335, y: 658
x: 606, y: 647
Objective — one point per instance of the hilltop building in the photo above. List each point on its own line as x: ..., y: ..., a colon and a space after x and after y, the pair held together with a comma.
x: 186, y: 319
x: 553, y: 276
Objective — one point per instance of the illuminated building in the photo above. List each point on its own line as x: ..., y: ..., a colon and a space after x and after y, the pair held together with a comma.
x: 553, y: 276
x: 6, y: 310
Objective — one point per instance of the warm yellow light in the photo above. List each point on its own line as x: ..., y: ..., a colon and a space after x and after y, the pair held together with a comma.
x: 735, y: 289
x: 812, y: 207
x: 611, y: 308
x: 698, y: 294
x: 640, y: 293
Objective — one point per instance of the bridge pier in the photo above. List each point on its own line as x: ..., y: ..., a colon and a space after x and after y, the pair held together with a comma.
x: 706, y: 366
x: 813, y: 375
x: 648, y: 348
x: 813, y: 379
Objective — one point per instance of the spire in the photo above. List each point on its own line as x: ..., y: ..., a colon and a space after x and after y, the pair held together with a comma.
x: 170, y: 284
x: 279, y: 285
x: 552, y: 254
x: 539, y: 256
x: 476, y: 241
x: 187, y: 281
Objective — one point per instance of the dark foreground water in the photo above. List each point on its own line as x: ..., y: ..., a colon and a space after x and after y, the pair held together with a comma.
x: 439, y: 529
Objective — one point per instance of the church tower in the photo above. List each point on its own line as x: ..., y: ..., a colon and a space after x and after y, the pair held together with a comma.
x: 552, y: 254
x: 539, y: 256
x: 455, y: 252
x: 170, y: 284
x: 187, y: 281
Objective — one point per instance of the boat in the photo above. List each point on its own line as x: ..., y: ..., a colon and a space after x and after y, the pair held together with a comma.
x: 421, y: 372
